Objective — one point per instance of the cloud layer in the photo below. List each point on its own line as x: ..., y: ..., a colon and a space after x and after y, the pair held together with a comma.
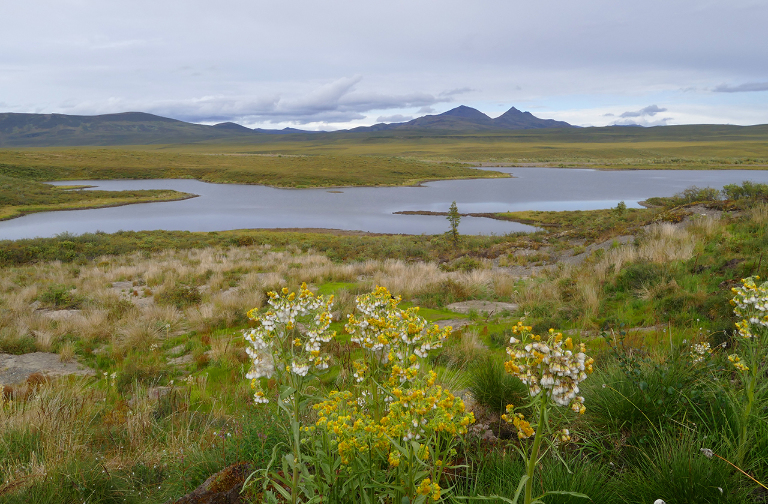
x: 742, y: 88
x: 346, y: 62
x: 650, y: 110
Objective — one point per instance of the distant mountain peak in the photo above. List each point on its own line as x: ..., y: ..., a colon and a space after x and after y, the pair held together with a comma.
x: 516, y: 119
x: 467, y: 113
x: 232, y: 126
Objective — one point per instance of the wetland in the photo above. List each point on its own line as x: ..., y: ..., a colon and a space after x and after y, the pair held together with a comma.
x: 221, y: 207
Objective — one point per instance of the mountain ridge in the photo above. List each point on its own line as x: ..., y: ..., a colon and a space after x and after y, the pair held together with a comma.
x: 141, y: 128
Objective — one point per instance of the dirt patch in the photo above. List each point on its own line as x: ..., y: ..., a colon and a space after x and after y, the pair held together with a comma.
x: 17, y: 368
x: 489, y: 307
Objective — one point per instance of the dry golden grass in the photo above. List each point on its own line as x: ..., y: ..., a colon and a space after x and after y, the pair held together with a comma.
x: 759, y: 214
x: 119, y: 306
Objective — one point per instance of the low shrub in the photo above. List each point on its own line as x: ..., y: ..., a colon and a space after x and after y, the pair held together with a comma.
x: 180, y: 296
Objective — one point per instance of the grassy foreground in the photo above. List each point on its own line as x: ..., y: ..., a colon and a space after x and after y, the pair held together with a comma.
x: 159, y: 317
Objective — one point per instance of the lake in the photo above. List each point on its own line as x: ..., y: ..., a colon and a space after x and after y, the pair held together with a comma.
x: 229, y: 206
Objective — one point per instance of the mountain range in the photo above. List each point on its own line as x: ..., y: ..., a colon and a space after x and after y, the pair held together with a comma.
x: 465, y: 118
x: 139, y: 128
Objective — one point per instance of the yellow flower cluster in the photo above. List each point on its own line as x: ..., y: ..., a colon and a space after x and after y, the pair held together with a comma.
x: 751, y: 304
x: 289, y: 336
x: 736, y: 361
x: 424, y: 410
x: 524, y: 429
x: 415, y: 413
x: 393, y: 336
x: 426, y: 487
x: 550, y: 365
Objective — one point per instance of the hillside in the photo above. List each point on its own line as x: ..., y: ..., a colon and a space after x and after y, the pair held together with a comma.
x: 138, y: 128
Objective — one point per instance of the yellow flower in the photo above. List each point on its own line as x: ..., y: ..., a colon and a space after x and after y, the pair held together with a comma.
x: 425, y: 487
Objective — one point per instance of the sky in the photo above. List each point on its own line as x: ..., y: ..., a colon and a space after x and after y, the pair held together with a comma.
x: 337, y: 64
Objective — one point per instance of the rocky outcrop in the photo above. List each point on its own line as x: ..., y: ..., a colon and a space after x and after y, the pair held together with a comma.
x: 221, y: 488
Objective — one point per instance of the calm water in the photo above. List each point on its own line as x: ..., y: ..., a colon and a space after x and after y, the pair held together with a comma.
x: 227, y: 206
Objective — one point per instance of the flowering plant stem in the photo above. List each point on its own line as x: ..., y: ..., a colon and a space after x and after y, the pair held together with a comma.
x: 534, y: 458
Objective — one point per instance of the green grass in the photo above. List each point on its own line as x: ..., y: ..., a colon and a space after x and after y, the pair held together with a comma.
x: 673, y: 147
x: 281, y: 171
x: 19, y: 196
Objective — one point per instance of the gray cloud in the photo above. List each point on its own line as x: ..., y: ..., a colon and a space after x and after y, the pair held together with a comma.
x: 397, y: 118
x: 425, y: 110
x: 334, y: 102
x: 742, y: 88
x: 608, y: 115
x: 650, y: 110
x: 457, y: 91
x: 642, y: 122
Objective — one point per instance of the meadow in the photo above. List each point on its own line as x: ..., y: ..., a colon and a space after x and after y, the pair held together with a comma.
x: 159, y: 317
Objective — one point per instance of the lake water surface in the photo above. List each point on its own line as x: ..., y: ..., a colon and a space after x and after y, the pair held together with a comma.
x: 228, y: 206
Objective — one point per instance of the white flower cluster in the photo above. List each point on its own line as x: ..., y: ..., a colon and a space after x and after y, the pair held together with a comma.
x: 289, y: 336
x: 751, y: 305
x: 549, y: 365
x: 699, y: 351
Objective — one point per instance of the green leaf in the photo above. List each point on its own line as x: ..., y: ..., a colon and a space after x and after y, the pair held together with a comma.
x: 562, y: 492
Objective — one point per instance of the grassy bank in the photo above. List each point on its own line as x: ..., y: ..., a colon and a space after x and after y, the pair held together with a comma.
x: 20, y: 197
x: 159, y: 318
x: 228, y: 167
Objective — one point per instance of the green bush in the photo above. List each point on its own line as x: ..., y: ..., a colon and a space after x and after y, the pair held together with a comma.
x: 641, y: 396
x: 17, y: 345
x: 747, y: 190
x: 180, y: 296
x: 675, y: 470
x: 136, y: 373
x: 60, y: 297
x: 639, y: 274
x: 494, y: 388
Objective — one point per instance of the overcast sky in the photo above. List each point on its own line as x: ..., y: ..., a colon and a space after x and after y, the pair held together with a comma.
x: 337, y: 64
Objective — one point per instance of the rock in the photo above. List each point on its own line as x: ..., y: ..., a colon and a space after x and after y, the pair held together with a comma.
x: 181, y: 361
x: 221, y: 488
x: 456, y: 324
x: 489, y: 307
x: 17, y: 368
